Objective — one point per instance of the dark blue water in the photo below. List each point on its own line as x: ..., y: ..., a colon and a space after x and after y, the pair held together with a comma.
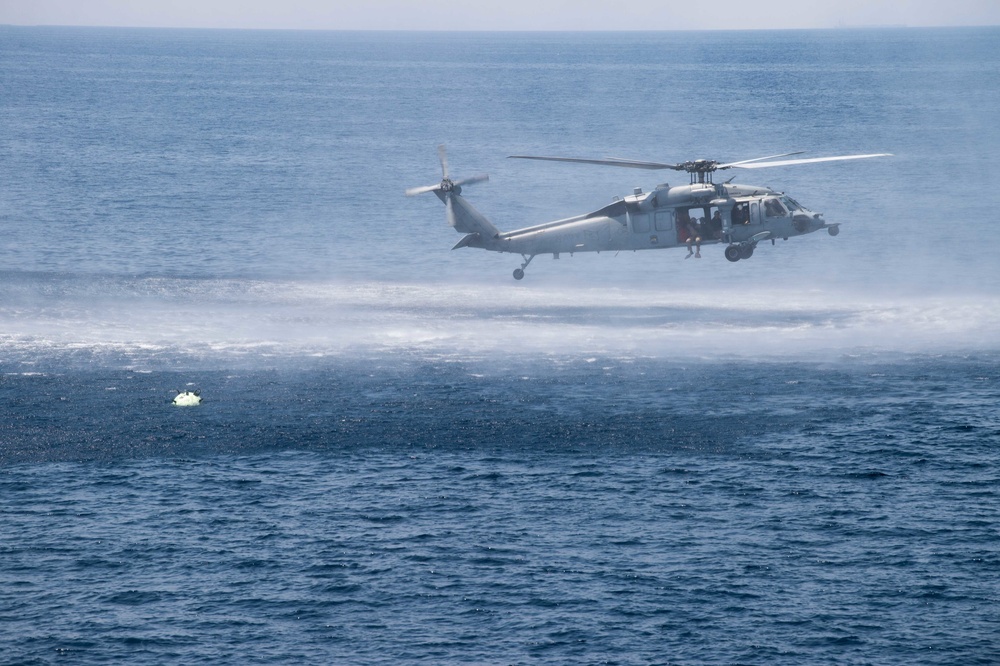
x: 404, y: 456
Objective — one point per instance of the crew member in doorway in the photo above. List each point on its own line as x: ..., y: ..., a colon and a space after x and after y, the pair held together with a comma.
x: 715, y: 225
x: 693, y: 236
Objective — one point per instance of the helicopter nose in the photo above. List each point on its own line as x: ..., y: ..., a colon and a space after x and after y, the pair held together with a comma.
x: 807, y: 223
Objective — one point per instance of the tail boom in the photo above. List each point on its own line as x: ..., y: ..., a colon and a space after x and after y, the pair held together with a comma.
x: 466, y: 219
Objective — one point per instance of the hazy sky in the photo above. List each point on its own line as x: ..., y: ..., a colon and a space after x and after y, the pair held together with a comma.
x: 501, y: 14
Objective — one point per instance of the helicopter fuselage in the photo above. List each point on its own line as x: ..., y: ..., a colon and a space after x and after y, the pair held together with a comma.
x: 667, y: 217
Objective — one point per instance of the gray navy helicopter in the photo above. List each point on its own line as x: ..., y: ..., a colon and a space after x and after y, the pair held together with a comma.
x: 700, y: 213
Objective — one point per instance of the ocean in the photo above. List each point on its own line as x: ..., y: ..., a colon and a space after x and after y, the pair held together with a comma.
x: 403, y: 455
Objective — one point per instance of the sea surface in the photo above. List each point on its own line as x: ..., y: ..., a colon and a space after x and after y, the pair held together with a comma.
x: 405, y: 456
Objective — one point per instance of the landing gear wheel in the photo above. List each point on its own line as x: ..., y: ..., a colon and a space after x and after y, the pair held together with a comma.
x: 746, y: 252
x: 733, y: 253
x: 834, y: 230
x: 519, y: 272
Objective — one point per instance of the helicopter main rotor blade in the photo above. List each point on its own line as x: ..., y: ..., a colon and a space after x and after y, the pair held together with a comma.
x: 758, y: 159
x: 609, y: 161
x: 808, y: 160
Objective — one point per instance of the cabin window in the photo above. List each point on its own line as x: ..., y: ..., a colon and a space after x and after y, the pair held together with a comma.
x: 640, y: 223
x: 741, y: 214
x: 665, y: 220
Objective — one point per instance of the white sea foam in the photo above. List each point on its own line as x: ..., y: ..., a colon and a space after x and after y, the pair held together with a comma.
x: 160, y: 319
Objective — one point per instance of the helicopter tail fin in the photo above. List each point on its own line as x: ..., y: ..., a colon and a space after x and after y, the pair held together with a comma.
x: 464, y: 218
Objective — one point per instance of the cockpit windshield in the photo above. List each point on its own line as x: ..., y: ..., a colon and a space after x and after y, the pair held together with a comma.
x: 791, y: 204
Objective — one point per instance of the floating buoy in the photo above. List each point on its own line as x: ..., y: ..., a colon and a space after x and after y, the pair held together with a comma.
x: 187, y: 399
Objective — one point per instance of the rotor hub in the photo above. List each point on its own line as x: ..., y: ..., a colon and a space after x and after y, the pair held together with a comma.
x: 700, y: 170
x: 700, y: 166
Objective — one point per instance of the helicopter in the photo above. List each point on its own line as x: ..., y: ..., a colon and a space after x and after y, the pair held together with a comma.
x: 681, y: 216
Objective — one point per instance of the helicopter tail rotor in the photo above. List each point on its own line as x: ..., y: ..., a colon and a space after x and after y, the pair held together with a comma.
x: 458, y: 212
x: 446, y: 185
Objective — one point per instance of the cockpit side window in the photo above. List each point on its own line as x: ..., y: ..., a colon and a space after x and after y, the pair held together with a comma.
x: 773, y: 208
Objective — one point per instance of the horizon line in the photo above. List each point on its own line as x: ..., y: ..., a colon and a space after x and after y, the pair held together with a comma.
x: 894, y: 26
